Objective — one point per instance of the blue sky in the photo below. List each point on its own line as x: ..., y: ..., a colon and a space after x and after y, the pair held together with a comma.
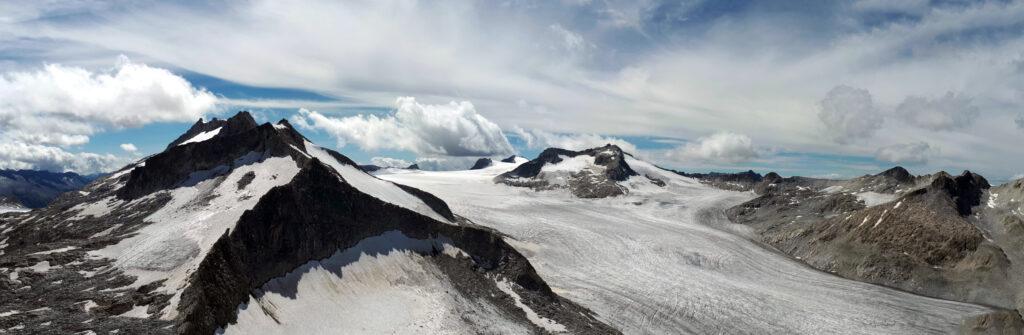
x: 817, y: 88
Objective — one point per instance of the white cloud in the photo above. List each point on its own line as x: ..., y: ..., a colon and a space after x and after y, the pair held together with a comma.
x: 948, y: 112
x: 722, y: 147
x: 540, y: 139
x: 453, y: 129
x: 129, y: 148
x: 388, y: 162
x: 758, y: 70
x: 906, y: 153
x: 20, y: 155
x: 47, y: 110
x: 849, y: 113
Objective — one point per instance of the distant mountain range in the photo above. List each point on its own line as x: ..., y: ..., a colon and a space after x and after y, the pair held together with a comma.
x: 35, y: 189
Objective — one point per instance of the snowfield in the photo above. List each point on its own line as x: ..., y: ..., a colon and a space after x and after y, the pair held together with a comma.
x: 380, y: 286
x: 666, y: 261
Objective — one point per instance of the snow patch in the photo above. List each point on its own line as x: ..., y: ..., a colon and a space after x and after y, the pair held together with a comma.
x: 203, y: 136
x: 874, y: 198
x: 54, y: 251
x: 540, y: 321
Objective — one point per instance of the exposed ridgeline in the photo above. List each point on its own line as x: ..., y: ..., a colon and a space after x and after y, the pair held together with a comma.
x: 233, y: 215
x: 35, y: 189
x: 923, y: 234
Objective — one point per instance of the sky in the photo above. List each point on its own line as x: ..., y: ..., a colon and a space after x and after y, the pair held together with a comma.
x: 815, y: 88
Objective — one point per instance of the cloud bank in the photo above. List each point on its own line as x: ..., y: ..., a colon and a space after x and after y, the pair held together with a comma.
x: 905, y: 153
x: 45, y: 111
x: 453, y: 129
x: 540, y: 139
x: 722, y: 147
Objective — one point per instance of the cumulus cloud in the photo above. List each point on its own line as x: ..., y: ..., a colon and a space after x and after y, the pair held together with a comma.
x: 20, y: 155
x: 129, y: 148
x: 540, y: 139
x: 722, y: 147
x: 905, y: 153
x: 453, y: 129
x: 47, y: 110
x: 388, y: 162
x: 948, y: 112
x: 849, y: 113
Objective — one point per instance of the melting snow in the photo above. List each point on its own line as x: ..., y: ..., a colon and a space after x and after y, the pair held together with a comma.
x: 540, y: 321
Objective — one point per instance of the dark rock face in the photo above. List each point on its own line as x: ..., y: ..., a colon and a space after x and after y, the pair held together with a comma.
x: 181, y: 163
x: 36, y: 189
x: 370, y: 168
x: 965, y: 190
x: 481, y: 164
x: 898, y: 174
x: 414, y: 166
x: 510, y: 159
x: 583, y: 184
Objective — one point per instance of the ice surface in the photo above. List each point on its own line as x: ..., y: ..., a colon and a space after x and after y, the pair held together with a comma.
x: 203, y: 136
x: 380, y: 286
x: 666, y: 261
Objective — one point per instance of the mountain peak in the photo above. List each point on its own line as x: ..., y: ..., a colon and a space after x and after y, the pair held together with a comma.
x: 898, y: 173
x: 202, y: 130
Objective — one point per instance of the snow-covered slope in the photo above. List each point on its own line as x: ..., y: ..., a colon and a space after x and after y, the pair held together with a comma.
x: 664, y: 260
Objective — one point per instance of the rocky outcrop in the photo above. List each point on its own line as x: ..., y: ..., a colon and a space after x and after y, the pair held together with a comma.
x: 482, y: 163
x: 605, y: 167
x: 510, y: 159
